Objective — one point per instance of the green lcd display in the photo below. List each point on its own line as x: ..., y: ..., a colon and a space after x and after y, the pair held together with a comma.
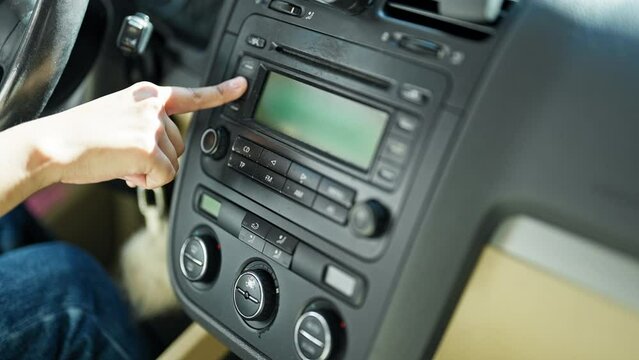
x: 344, y: 128
x: 210, y: 205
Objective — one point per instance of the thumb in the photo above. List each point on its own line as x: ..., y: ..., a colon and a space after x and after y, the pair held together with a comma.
x: 182, y: 100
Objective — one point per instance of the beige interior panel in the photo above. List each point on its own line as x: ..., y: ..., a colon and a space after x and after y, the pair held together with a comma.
x: 513, y: 310
x: 194, y: 344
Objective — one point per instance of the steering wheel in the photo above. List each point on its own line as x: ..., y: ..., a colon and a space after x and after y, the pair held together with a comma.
x: 36, y: 39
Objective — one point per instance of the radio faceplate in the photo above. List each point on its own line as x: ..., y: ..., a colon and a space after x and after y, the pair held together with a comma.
x: 374, y: 84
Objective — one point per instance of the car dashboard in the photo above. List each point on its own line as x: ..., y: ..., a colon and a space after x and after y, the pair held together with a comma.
x: 337, y: 209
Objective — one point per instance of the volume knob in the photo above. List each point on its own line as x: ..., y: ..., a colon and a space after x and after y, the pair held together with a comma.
x: 215, y: 142
x: 368, y: 218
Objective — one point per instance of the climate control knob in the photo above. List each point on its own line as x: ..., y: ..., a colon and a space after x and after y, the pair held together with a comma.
x: 316, y: 335
x: 368, y: 218
x: 254, y: 295
x: 196, y: 258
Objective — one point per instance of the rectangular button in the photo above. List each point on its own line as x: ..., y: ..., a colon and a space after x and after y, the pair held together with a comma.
x: 299, y: 193
x: 269, y: 178
x: 387, y: 176
x: 345, y: 283
x: 256, y: 41
x: 248, y: 67
x: 252, y: 240
x: 274, y: 162
x: 337, y: 192
x: 256, y: 225
x: 247, y: 148
x: 304, y: 176
x: 330, y: 209
x: 407, y: 124
x: 233, y: 110
x: 286, y: 8
x: 396, y: 149
x: 414, y: 94
x: 420, y: 46
x: 277, y: 255
x: 242, y: 165
x: 282, y: 240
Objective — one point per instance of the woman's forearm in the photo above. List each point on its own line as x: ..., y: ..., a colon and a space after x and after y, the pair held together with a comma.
x: 24, y: 166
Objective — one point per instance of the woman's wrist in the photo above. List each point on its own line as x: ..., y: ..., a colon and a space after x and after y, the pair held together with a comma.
x: 43, y: 166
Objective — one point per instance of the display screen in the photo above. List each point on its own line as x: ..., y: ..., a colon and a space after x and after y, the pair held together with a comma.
x: 346, y: 129
x: 210, y: 205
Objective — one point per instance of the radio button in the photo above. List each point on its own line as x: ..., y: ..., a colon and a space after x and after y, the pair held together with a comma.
x: 330, y: 209
x: 255, y: 224
x: 387, y: 176
x: 337, y: 192
x: 282, y: 240
x: 286, y: 8
x: 304, y: 176
x: 269, y: 178
x: 407, y: 124
x: 277, y: 255
x: 256, y: 41
x: 274, y: 162
x: 414, y: 94
x: 247, y: 148
x: 299, y: 193
x: 233, y: 110
x: 248, y: 66
x: 396, y: 149
x: 242, y: 165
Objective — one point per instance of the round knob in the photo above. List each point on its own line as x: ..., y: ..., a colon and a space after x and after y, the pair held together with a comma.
x: 195, y: 258
x: 254, y: 295
x: 315, y: 335
x: 368, y: 219
x: 215, y: 142
x: 351, y: 6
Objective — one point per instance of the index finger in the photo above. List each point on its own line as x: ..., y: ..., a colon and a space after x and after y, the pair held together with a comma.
x: 182, y: 100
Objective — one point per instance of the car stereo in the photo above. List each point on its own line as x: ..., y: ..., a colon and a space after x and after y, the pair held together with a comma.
x: 297, y: 202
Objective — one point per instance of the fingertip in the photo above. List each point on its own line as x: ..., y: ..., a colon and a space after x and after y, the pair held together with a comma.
x: 237, y: 83
x: 236, y: 87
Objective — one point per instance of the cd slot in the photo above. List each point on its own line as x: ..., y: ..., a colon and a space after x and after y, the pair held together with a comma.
x: 352, y: 73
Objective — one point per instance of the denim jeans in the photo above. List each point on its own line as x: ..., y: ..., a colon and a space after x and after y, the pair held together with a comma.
x: 56, y: 302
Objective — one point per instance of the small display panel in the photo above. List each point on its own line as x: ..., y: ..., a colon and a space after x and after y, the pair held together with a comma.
x: 210, y: 205
x: 344, y: 128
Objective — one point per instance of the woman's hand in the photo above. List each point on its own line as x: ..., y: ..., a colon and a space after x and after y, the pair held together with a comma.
x: 126, y: 135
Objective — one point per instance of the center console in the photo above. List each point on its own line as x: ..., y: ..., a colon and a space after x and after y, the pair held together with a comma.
x: 298, y: 203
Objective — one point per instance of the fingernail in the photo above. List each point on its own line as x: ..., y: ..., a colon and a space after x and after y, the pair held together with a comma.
x: 236, y: 83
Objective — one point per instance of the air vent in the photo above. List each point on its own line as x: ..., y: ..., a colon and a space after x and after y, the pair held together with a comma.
x: 426, y: 13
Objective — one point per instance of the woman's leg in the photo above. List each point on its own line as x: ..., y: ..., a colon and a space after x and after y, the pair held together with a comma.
x: 57, y: 302
x: 19, y: 228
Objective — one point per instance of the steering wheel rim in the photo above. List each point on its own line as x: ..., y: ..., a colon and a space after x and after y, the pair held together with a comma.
x: 40, y: 59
